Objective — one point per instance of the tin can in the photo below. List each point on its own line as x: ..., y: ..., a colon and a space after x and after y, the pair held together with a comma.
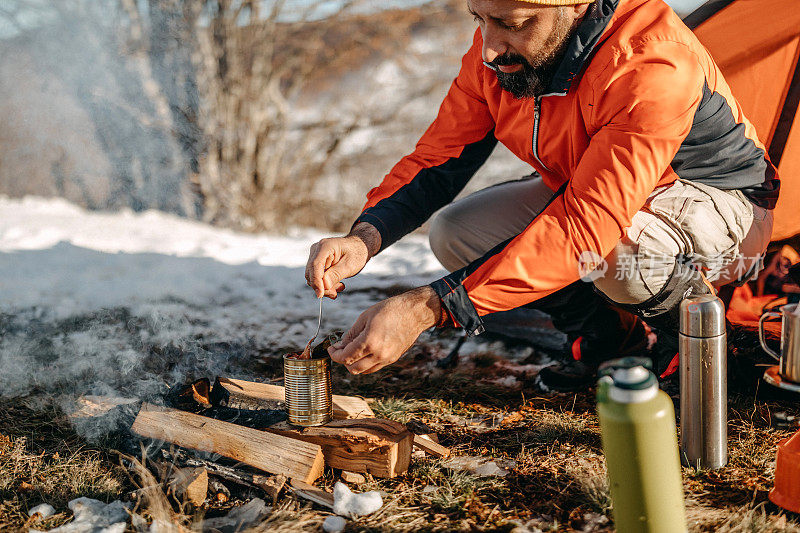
x: 308, y: 390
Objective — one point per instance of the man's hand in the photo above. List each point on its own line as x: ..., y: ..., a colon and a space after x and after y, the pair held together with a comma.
x: 386, y: 330
x: 332, y: 260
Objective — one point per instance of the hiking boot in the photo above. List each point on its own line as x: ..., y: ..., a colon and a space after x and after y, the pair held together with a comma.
x: 580, y: 359
x: 568, y: 376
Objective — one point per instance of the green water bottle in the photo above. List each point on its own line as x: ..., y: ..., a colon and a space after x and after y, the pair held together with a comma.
x: 640, y: 444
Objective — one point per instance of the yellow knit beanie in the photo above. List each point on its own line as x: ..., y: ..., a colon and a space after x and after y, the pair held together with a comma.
x: 558, y: 2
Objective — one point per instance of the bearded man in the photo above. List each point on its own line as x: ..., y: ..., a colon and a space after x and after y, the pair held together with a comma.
x: 644, y: 165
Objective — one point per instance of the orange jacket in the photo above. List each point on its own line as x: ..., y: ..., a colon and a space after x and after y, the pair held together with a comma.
x: 637, y: 102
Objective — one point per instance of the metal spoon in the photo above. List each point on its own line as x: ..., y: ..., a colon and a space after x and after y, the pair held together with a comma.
x: 307, y: 351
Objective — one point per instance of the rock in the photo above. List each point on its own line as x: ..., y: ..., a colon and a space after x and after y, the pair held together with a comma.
x: 593, y: 521
x: 44, y: 510
x: 480, y: 466
x: 333, y: 524
x: 239, y: 518
x: 94, y: 516
x: 348, y: 503
x: 352, y: 477
x: 536, y: 525
x: 139, y: 523
x: 490, y: 469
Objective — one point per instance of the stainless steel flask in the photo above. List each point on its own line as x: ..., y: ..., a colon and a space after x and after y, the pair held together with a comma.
x: 703, y: 382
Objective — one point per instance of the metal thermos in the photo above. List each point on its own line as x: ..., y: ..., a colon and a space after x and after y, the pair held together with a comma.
x: 703, y: 382
x: 637, y: 423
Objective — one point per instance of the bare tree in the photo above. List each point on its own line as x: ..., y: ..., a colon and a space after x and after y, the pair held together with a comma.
x: 213, y: 84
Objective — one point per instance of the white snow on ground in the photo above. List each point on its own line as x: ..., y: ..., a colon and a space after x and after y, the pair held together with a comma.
x: 127, y: 303
x: 47, y: 259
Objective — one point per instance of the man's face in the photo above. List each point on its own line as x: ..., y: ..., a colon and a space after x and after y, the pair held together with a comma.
x: 524, y: 42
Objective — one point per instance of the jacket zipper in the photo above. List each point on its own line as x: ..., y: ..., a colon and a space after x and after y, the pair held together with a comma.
x: 536, y: 112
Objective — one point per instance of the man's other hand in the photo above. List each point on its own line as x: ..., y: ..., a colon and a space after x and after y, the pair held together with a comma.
x: 332, y: 260
x: 384, y: 332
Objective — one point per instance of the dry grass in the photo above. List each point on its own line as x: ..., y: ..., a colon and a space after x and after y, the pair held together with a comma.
x: 592, y: 483
x: 152, y: 502
x: 756, y: 520
x: 437, y: 412
x: 289, y: 516
x: 28, y: 478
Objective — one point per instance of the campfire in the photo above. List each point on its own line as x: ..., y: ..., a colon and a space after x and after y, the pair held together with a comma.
x: 239, y: 432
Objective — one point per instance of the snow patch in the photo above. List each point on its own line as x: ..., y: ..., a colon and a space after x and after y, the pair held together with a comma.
x: 348, y: 503
x: 123, y: 305
x: 94, y: 516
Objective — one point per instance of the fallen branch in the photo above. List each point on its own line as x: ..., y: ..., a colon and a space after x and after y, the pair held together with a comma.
x: 312, y: 493
x: 430, y: 447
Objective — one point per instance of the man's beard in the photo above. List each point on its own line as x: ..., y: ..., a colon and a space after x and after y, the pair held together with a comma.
x: 533, y: 80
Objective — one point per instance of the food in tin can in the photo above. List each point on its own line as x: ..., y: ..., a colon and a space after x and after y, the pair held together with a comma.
x: 320, y: 350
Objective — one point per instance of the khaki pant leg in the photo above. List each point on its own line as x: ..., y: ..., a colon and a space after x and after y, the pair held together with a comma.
x: 721, y: 231
x: 466, y: 229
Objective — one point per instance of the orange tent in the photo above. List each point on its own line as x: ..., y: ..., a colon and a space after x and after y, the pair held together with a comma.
x: 756, y: 43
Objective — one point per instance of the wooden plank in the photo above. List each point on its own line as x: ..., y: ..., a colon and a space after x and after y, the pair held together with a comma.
x: 352, y: 477
x: 189, y: 484
x: 269, y: 452
x: 428, y: 446
x: 312, y: 493
x: 368, y: 445
x: 241, y: 394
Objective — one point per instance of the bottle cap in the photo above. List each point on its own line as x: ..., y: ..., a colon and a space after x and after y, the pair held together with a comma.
x: 634, y: 378
x: 702, y: 316
x: 629, y: 379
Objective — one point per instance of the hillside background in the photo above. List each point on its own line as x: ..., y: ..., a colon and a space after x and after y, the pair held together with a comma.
x: 253, y: 115
x: 251, y: 120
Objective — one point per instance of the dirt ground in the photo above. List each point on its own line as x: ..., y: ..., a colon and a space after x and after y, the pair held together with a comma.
x: 488, y: 405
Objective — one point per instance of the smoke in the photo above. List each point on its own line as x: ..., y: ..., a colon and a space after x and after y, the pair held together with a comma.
x: 126, y: 303
x: 122, y: 353
x: 124, y: 306
x: 113, y: 353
